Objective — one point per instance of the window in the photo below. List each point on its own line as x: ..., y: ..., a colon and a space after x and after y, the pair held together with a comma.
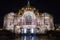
x: 28, y: 20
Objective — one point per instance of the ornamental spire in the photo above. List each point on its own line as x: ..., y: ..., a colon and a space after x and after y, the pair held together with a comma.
x: 28, y: 4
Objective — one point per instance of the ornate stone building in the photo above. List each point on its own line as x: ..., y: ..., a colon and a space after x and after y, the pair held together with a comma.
x: 28, y: 19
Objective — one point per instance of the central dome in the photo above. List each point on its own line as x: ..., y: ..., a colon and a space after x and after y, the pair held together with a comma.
x: 27, y: 8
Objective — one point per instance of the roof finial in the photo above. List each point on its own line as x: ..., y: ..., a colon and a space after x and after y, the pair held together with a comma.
x: 28, y: 3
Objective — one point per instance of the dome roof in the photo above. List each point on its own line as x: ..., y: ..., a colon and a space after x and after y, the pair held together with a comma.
x: 28, y: 8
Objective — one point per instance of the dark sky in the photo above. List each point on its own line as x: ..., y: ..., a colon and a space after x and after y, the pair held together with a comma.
x: 51, y: 7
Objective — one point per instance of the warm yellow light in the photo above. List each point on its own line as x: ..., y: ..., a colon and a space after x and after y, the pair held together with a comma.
x: 17, y: 26
x: 22, y: 9
x: 20, y: 12
x: 34, y: 8
x: 30, y: 8
x: 26, y: 8
x: 37, y: 14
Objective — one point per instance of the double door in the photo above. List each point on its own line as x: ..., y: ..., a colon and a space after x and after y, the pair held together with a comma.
x: 29, y: 31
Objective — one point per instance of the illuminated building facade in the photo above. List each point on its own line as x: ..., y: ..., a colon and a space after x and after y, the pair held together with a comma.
x: 28, y: 20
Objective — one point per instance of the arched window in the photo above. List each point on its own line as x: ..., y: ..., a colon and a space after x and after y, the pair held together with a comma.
x: 28, y: 20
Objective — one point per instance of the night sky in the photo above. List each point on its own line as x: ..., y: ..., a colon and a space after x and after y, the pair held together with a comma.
x: 51, y: 7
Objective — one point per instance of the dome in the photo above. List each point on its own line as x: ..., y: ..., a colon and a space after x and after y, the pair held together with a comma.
x: 27, y: 8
